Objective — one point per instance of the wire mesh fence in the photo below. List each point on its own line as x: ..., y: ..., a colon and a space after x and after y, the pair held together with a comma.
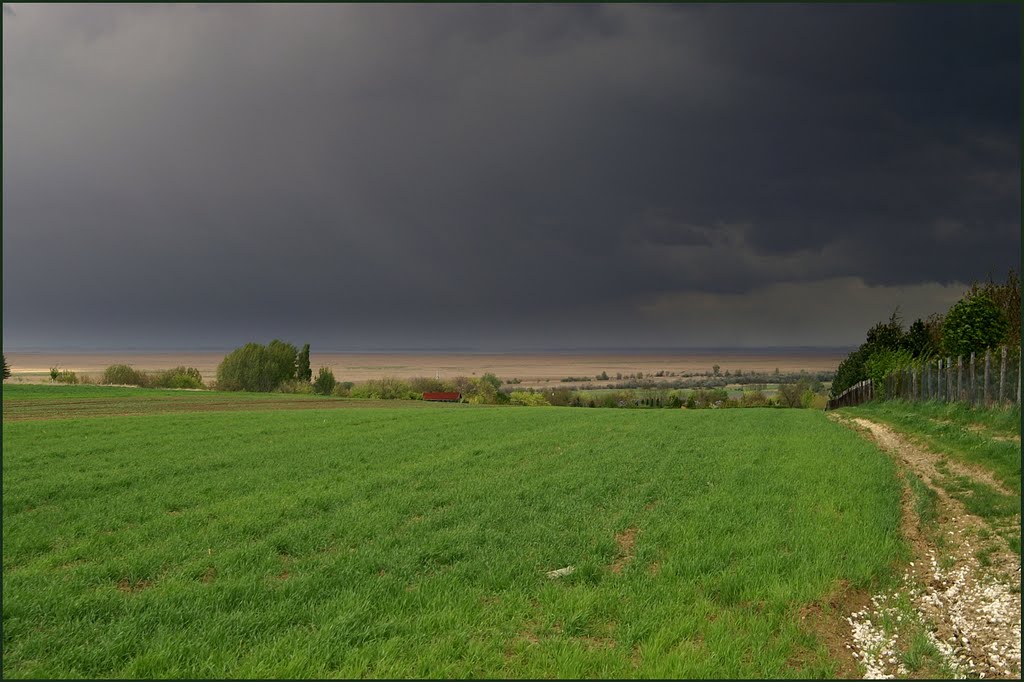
x: 983, y: 379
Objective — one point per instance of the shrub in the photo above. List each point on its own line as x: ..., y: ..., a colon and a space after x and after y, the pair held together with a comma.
x: 7, y: 369
x: 755, y: 399
x: 124, y: 375
x: 527, y: 398
x: 884, y: 362
x: 429, y: 385
x: 255, y: 367
x: 325, y: 382
x: 294, y: 386
x: 178, y: 377
x: 65, y: 376
x: 343, y: 389
x: 791, y: 395
x: 702, y: 397
x: 388, y: 388
x: 562, y: 397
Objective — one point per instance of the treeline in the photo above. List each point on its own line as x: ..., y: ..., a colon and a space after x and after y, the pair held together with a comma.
x: 804, y: 393
x: 987, y: 316
x: 722, y: 380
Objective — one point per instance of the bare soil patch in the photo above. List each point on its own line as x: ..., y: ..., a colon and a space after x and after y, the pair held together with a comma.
x: 827, y: 619
x: 625, y: 540
x: 129, y: 587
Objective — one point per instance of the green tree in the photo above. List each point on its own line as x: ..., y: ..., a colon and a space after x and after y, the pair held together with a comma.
x: 255, y: 367
x: 1007, y: 297
x: 919, y: 340
x: 7, y: 369
x: 303, y: 372
x: 284, y: 357
x: 974, y: 324
x: 492, y: 380
x: 884, y: 335
x: 325, y: 382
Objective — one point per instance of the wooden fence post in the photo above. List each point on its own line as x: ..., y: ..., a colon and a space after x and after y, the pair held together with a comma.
x: 938, y: 378
x: 988, y: 364
x: 913, y: 383
x: 973, y: 392
x: 1002, y: 376
x: 949, y: 380
x: 960, y: 378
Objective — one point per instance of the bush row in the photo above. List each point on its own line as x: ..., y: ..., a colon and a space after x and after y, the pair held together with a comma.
x: 178, y: 377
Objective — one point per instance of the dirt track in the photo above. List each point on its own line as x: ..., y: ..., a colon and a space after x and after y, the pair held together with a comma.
x: 974, y: 606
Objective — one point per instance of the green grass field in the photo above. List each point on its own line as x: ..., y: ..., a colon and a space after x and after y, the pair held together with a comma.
x: 414, y: 541
x: 47, y: 402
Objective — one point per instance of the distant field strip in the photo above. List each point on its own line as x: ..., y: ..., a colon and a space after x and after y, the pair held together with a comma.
x: 55, y: 402
x: 398, y: 542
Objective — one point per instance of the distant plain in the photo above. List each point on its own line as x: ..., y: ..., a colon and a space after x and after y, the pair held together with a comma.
x: 534, y: 369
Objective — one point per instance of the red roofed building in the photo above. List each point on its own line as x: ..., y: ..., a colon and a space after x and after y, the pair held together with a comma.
x: 443, y: 397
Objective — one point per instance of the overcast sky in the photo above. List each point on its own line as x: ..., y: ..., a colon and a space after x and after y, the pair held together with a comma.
x: 504, y: 176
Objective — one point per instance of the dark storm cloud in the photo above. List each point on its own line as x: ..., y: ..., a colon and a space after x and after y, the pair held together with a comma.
x: 530, y: 172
